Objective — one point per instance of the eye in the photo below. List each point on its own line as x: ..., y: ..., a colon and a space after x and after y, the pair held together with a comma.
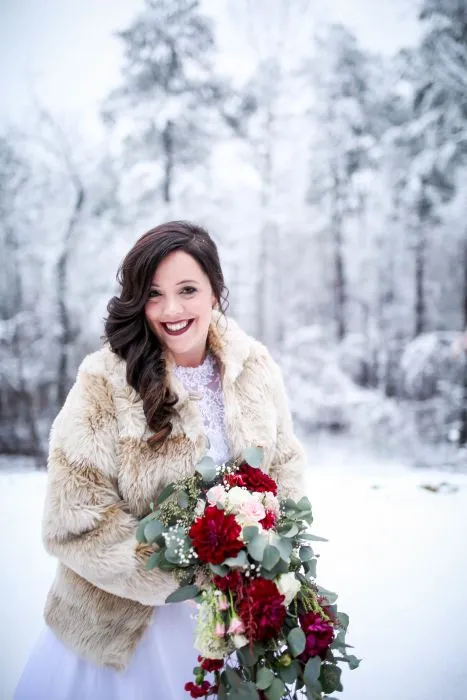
x: 188, y: 290
x: 153, y: 293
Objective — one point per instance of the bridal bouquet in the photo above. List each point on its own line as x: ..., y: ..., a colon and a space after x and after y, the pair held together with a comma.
x: 264, y: 628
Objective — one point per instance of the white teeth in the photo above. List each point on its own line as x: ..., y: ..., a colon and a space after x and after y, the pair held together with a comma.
x: 177, y: 326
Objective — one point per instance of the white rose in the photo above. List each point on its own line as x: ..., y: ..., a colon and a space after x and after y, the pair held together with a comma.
x: 239, y: 640
x: 289, y: 586
x: 199, y: 508
x: 236, y: 497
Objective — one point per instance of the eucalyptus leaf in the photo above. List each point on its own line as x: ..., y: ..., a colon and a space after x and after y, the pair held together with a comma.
x: 296, y: 641
x: 183, y: 593
x: 353, y: 662
x: 247, y: 656
x: 183, y: 500
x: 304, y: 503
x: 165, y: 493
x: 329, y: 595
x: 264, y: 678
x: 153, y: 529
x: 207, y: 468
x: 165, y: 565
x: 290, y: 503
x: 257, y: 546
x: 291, y: 532
x: 305, y: 553
x: 310, y: 567
x: 219, y: 569
x: 285, y: 547
x: 276, y: 690
x: 249, y: 532
x: 312, y: 669
x: 233, y: 678
x: 253, y: 456
x: 343, y: 619
x: 154, y: 560
x: 312, y: 538
x: 289, y: 674
x: 271, y: 556
x: 240, y: 560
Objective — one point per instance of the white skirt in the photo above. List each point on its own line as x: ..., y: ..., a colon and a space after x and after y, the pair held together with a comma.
x: 161, y: 665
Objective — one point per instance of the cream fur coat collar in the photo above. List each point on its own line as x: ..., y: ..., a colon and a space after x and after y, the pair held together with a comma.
x: 103, y: 476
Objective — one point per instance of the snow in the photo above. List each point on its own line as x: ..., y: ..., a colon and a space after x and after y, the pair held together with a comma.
x: 396, y: 556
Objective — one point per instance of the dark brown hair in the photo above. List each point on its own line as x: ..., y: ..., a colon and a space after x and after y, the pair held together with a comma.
x: 126, y: 327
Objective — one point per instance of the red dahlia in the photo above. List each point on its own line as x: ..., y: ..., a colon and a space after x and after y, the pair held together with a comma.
x: 256, y: 480
x: 262, y: 610
x: 215, y: 536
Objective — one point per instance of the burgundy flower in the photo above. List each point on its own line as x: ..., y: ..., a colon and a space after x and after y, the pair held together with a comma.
x: 233, y: 581
x: 319, y: 635
x: 269, y: 520
x: 210, y: 665
x: 262, y: 610
x: 215, y: 536
x: 256, y: 480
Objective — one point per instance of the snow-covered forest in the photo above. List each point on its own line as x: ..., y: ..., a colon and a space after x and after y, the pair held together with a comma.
x: 332, y: 178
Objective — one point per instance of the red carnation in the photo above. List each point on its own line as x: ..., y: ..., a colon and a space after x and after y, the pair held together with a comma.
x: 215, y: 536
x: 262, y: 610
x: 211, y: 665
x: 234, y: 480
x: 269, y: 520
x: 319, y: 635
x: 256, y: 480
x: 199, y: 691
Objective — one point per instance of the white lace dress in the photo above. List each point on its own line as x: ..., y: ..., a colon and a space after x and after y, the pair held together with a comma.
x: 165, y: 657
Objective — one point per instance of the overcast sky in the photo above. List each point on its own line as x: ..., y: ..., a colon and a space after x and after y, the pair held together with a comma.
x: 64, y: 50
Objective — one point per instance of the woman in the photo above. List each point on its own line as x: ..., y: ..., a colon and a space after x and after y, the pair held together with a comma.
x: 176, y: 380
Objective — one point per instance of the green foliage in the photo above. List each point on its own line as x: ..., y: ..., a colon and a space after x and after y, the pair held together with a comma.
x: 296, y: 641
x: 183, y: 593
x: 207, y: 469
x: 253, y: 456
x: 264, y: 678
x: 330, y: 678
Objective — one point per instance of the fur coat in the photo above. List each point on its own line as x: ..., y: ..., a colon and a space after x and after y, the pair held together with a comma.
x: 102, y: 476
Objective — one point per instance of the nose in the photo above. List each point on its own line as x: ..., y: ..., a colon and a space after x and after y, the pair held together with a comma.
x: 173, y: 307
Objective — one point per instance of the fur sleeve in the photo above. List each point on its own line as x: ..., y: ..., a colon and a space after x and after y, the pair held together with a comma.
x: 289, y: 459
x: 86, y: 525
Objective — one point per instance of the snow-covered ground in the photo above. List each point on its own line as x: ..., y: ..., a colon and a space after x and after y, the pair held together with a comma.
x: 396, y: 556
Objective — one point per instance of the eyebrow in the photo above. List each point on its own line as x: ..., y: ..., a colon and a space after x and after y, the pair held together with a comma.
x: 182, y: 282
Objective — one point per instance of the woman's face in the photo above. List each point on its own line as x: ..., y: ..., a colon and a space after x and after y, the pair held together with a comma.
x: 179, y: 307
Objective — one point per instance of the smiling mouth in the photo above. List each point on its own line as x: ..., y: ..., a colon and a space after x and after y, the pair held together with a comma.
x: 177, y: 328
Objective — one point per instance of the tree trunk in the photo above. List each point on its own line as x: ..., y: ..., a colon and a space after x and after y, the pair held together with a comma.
x: 339, y: 275
x: 463, y: 417
x: 420, y: 282
x: 63, y: 312
x: 168, y: 148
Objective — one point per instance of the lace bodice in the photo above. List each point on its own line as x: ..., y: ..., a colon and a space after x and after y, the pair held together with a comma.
x: 205, y: 380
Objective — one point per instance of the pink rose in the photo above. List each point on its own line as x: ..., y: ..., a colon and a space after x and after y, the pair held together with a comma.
x: 251, y: 509
x: 220, y: 629
x: 236, y: 626
x: 222, y: 603
x: 216, y: 494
